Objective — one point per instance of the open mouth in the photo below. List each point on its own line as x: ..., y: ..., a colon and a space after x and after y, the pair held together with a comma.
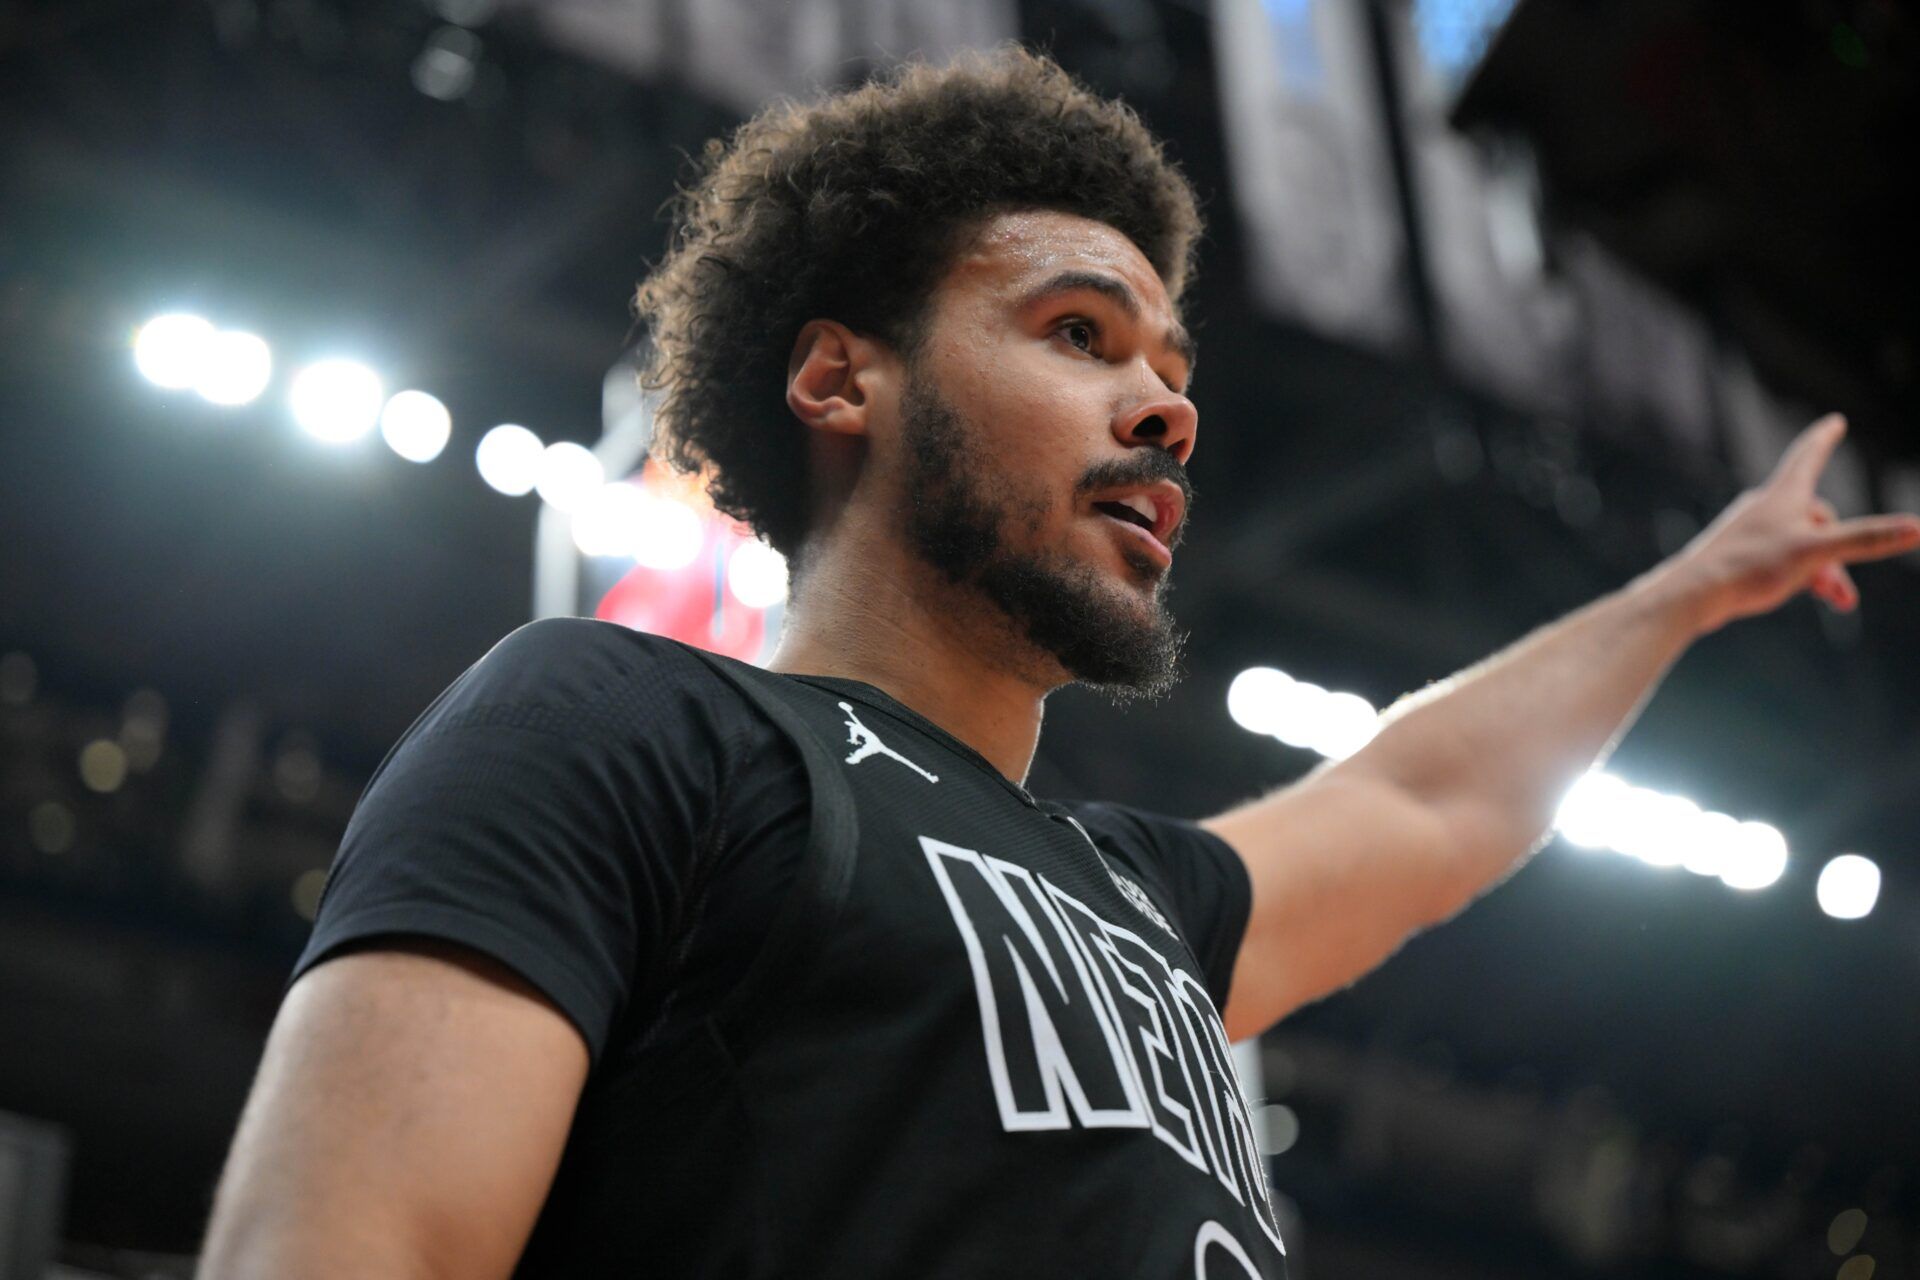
x: 1140, y: 529
x: 1130, y: 513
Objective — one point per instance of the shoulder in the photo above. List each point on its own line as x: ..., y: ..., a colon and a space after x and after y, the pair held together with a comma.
x: 1197, y: 871
x: 1196, y: 874
x: 577, y: 657
x: 581, y: 675
x: 1147, y: 840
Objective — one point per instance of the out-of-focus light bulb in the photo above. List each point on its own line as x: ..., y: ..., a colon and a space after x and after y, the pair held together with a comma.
x: 235, y: 368
x: 568, y: 475
x: 445, y: 68
x: 669, y: 534
x: 509, y: 459
x: 1343, y: 723
x: 171, y: 350
x: 757, y: 575
x: 1715, y: 838
x: 1758, y: 857
x: 608, y: 523
x: 1657, y: 828
x: 1253, y: 698
x: 416, y: 426
x: 1295, y: 716
x: 336, y: 401
x: 1848, y: 887
x: 103, y: 765
x: 1586, y: 816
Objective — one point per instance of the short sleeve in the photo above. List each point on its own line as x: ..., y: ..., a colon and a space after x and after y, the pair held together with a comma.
x: 1196, y: 874
x: 545, y: 810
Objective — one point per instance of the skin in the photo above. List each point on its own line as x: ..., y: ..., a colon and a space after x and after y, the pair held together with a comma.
x: 406, y: 1122
x: 1053, y: 383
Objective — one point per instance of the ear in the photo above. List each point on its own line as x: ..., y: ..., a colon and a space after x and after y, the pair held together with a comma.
x: 832, y: 377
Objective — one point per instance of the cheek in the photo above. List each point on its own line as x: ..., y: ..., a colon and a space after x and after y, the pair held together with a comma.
x: 1049, y: 421
x: 1037, y: 427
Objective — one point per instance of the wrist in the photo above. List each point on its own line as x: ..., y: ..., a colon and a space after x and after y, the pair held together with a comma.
x: 1679, y: 597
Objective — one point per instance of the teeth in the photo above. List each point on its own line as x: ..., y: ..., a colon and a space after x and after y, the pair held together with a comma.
x: 1142, y: 504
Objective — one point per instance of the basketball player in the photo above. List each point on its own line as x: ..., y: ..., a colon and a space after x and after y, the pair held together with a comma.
x: 640, y: 962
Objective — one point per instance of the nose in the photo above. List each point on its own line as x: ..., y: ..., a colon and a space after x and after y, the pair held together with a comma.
x: 1167, y: 421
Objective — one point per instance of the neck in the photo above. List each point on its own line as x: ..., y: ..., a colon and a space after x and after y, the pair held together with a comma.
x: 892, y: 623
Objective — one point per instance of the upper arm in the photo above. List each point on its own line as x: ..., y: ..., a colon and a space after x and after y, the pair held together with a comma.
x: 1343, y: 867
x: 407, y: 1120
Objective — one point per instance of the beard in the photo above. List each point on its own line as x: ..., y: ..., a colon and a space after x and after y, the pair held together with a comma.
x: 960, y: 515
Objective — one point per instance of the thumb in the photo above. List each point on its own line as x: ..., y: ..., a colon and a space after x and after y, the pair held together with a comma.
x: 1832, y: 584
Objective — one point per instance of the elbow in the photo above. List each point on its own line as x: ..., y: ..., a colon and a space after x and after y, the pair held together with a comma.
x: 1480, y: 849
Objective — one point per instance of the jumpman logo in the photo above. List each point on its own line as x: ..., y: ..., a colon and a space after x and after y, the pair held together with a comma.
x: 866, y: 742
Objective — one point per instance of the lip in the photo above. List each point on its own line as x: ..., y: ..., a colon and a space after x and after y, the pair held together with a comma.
x: 1169, y: 507
x: 1155, y: 549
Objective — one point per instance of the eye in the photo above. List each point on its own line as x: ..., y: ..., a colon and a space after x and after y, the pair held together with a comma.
x: 1082, y: 334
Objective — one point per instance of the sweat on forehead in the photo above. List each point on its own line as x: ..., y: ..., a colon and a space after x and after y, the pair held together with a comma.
x: 1035, y: 241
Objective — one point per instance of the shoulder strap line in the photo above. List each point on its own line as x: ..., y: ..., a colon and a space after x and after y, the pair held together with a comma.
x: 812, y: 905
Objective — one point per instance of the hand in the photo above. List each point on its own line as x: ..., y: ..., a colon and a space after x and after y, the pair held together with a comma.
x: 1780, y: 539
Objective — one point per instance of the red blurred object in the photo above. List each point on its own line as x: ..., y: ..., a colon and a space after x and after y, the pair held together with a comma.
x: 691, y: 604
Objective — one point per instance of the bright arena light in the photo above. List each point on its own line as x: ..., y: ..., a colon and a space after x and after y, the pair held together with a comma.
x: 1296, y: 713
x: 171, y: 350
x: 1600, y: 810
x: 668, y: 534
x: 1849, y: 886
x: 509, y: 459
x: 1655, y: 828
x: 1343, y: 723
x: 235, y: 368
x: 1587, y: 816
x: 1757, y: 857
x: 1715, y: 842
x: 416, y: 426
x: 1264, y: 700
x: 623, y: 520
x: 568, y: 475
x: 757, y: 575
x: 337, y: 401
x: 609, y: 522
x: 1253, y: 697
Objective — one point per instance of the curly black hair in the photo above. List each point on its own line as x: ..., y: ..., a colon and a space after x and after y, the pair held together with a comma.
x: 852, y: 208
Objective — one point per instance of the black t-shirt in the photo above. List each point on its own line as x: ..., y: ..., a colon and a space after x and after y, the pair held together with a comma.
x: 856, y: 1004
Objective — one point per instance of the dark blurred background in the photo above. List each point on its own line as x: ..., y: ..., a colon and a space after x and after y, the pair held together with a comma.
x: 1499, y: 304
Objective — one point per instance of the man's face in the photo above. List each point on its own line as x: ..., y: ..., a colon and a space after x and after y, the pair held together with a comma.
x: 1044, y: 432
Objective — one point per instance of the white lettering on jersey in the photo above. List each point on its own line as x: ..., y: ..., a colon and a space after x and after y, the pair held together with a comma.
x: 865, y: 742
x: 1084, y: 1022
x: 1212, y: 1235
x: 1035, y: 1092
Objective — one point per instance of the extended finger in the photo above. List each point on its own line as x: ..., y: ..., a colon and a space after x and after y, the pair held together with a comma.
x: 1807, y: 456
x: 1834, y: 585
x: 1868, y: 538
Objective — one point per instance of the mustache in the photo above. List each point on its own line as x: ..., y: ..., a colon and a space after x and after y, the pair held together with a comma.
x: 1141, y: 467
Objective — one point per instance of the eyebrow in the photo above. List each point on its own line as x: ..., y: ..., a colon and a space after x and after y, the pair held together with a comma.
x: 1116, y: 291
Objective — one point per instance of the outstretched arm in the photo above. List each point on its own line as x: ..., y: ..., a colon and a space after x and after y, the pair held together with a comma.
x: 1461, y: 782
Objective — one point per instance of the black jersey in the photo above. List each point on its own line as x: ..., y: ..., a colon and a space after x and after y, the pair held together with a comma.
x: 857, y: 1005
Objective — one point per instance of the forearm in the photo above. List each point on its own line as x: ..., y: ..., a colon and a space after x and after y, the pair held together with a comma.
x: 1463, y: 777
x: 1493, y: 749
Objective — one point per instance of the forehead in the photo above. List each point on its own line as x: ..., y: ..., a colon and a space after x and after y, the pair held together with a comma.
x: 1011, y: 251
